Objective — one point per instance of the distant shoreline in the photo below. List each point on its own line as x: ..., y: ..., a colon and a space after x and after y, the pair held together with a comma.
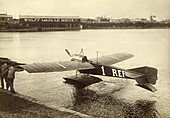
x: 92, y: 28
x: 35, y: 30
x: 130, y: 28
x: 33, y: 23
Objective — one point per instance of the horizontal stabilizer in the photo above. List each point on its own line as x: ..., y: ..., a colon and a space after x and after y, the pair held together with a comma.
x: 150, y: 75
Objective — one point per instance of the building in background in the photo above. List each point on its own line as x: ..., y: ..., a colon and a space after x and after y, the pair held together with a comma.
x: 33, y: 23
x: 5, y: 19
x: 103, y: 19
x: 47, y: 23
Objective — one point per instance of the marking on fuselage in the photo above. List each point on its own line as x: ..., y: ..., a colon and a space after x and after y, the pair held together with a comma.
x: 103, y: 70
x: 118, y: 73
x: 115, y: 72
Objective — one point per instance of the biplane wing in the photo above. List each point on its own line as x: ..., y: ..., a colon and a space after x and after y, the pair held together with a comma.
x: 111, y: 59
x: 56, y: 66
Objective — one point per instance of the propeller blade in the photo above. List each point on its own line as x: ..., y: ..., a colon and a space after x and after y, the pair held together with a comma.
x: 68, y: 52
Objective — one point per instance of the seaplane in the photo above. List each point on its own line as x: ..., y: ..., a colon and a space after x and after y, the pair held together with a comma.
x: 86, y: 69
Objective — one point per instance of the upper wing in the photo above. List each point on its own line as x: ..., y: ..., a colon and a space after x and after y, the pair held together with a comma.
x: 56, y: 66
x: 112, y: 59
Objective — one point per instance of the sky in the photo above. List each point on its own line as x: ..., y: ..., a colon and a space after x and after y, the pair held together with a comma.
x: 88, y: 8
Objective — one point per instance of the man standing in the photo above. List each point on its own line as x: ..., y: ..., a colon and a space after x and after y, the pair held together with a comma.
x: 10, y: 78
x: 4, y: 73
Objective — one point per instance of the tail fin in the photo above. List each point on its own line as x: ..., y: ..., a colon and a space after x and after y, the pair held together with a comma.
x: 150, y: 77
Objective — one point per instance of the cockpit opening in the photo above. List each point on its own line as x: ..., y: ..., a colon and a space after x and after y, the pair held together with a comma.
x: 84, y: 59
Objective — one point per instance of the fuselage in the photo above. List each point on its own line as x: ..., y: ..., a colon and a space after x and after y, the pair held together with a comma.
x: 99, y: 69
x: 105, y: 71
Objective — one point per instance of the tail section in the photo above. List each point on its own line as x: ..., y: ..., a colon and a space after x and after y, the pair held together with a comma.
x: 149, y: 77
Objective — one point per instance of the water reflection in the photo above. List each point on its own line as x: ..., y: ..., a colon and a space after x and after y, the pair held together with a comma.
x: 108, y: 105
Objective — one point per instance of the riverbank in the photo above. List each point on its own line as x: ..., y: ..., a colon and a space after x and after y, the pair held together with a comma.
x: 37, y: 29
x: 21, y: 106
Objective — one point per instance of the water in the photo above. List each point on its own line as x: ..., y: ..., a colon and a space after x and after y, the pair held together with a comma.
x: 112, y: 97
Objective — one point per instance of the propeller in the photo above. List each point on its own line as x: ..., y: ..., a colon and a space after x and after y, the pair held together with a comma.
x: 68, y: 52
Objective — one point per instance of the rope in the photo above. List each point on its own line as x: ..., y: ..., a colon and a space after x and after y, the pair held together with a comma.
x: 27, y: 76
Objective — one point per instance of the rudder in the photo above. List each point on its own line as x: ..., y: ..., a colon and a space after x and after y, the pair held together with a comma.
x: 150, y: 77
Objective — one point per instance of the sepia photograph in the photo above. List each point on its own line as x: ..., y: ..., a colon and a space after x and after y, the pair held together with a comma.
x: 84, y: 59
